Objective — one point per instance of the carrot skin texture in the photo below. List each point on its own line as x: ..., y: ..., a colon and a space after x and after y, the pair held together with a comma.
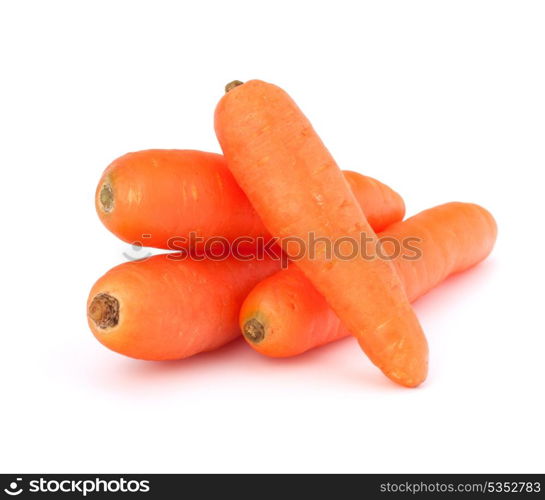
x: 172, y: 309
x: 170, y: 193
x: 452, y: 238
x: 160, y: 194
x: 297, y: 188
x: 381, y: 205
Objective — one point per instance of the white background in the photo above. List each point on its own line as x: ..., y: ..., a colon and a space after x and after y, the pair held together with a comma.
x: 442, y: 100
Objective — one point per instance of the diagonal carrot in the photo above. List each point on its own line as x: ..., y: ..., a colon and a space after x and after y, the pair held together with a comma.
x: 284, y: 315
x: 297, y: 189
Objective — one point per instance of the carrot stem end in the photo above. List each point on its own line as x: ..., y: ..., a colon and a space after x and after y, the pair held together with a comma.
x: 106, y: 198
x: 104, y: 311
x: 232, y: 85
x: 254, y: 330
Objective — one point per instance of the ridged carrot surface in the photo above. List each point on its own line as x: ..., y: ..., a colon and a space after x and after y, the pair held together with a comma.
x: 158, y: 195
x: 284, y: 315
x: 297, y: 189
x: 159, y: 308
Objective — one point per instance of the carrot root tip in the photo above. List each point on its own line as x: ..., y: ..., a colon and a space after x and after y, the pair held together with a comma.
x: 232, y: 85
x: 107, y: 198
x: 254, y: 330
x: 104, y: 311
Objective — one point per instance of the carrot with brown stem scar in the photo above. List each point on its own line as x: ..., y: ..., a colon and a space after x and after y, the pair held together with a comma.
x: 162, y: 308
x: 284, y: 315
x: 297, y: 189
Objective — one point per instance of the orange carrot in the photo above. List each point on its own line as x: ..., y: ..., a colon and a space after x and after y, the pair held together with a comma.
x: 156, y: 195
x: 296, y: 187
x: 284, y: 315
x: 160, y: 308
x: 381, y: 204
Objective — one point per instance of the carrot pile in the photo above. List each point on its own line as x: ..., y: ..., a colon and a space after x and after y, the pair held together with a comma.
x: 308, y: 254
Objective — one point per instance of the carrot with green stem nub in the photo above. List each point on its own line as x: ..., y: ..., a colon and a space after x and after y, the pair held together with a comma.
x: 284, y: 315
x: 160, y: 197
x: 297, y: 189
x: 162, y: 308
